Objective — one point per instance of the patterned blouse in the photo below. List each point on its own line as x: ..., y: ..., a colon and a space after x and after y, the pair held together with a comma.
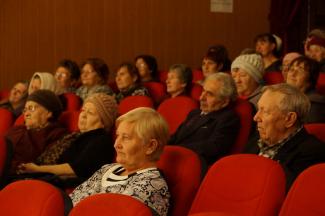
x: 83, y: 91
x: 146, y: 185
x: 135, y: 90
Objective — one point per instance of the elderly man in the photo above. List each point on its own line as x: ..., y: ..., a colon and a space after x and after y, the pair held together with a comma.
x: 211, y: 130
x: 282, y: 110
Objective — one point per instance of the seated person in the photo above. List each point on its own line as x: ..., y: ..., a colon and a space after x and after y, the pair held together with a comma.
x: 94, y: 77
x: 41, y: 128
x: 17, y: 99
x: 281, y: 136
x: 211, y: 130
x: 247, y: 71
x: 303, y: 74
x: 179, y: 80
x: 128, y: 82
x: 215, y: 60
x: 80, y: 154
x: 286, y: 62
x: 316, y: 50
x: 44, y: 80
x: 67, y: 74
x: 269, y: 46
x: 141, y: 136
x: 147, y: 67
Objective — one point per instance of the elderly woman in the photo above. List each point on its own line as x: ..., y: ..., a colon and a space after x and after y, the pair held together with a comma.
x: 316, y: 50
x: 44, y: 80
x: 147, y: 67
x: 141, y: 136
x: 215, y: 60
x: 67, y: 74
x: 128, y: 82
x: 17, y: 98
x: 94, y: 77
x: 41, y: 128
x: 269, y: 46
x: 286, y: 62
x: 80, y: 154
x: 179, y: 80
x: 303, y: 74
x: 247, y: 71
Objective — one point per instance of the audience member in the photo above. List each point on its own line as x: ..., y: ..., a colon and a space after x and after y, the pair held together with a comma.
x: 41, y: 128
x: 247, y: 72
x: 78, y: 155
x: 303, y: 74
x: 316, y: 49
x: 94, y: 78
x: 211, y: 130
x: 44, y: 80
x: 147, y: 67
x: 67, y: 75
x: 128, y: 82
x: 319, y: 33
x: 287, y: 59
x: 215, y: 60
x: 179, y: 80
x: 269, y: 46
x: 17, y: 99
x: 141, y: 136
x: 282, y: 110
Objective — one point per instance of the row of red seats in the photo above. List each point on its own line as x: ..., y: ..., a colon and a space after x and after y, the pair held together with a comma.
x: 240, y: 184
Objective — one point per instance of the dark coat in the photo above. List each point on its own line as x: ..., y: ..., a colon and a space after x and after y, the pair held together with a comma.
x: 211, y: 136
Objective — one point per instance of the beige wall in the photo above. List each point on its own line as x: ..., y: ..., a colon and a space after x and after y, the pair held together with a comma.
x: 36, y: 34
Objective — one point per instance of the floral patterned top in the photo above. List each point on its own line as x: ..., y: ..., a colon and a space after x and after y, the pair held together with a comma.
x: 146, y: 185
x: 134, y: 90
x: 83, y: 91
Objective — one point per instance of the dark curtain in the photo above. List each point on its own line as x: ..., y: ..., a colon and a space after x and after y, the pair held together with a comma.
x: 283, y: 14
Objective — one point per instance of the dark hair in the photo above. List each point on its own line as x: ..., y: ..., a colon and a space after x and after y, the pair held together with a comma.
x: 71, y: 66
x: 311, y: 66
x: 151, y: 62
x: 132, y: 70
x: 185, y: 75
x: 268, y: 37
x: 219, y: 54
x: 100, y: 67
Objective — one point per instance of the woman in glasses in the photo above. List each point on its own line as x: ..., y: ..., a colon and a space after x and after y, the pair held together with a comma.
x: 67, y: 74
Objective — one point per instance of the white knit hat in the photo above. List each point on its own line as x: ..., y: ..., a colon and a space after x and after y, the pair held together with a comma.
x: 252, y: 64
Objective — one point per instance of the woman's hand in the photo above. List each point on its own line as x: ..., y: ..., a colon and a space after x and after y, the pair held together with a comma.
x: 28, y: 168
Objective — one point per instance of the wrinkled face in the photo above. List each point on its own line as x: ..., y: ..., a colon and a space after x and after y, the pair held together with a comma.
x: 17, y: 92
x: 286, y: 65
x: 143, y: 69
x: 89, y: 77
x: 245, y: 83
x: 174, y: 84
x: 264, y: 47
x: 209, y: 99
x: 298, y: 76
x: 35, y: 84
x: 317, y: 52
x: 89, y: 118
x: 63, y: 76
x: 131, y: 152
x: 123, y: 79
x: 270, y: 119
x: 209, y: 67
x: 36, y: 116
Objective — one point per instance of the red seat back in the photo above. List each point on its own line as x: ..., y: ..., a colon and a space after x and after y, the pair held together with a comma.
x: 31, y: 197
x: 156, y: 90
x: 20, y: 120
x: 242, y: 184
x: 196, y: 91
x: 197, y: 75
x: 162, y: 75
x: 306, y: 195
x: 245, y: 112
x: 132, y: 102
x: 320, y: 86
x: 182, y: 170
x: 70, y: 120
x: 175, y: 110
x: 4, y: 94
x: 273, y: 77
x: 110, y: 204
x: 73, y: 101
x: 316, y: 129
x: 6, y: 121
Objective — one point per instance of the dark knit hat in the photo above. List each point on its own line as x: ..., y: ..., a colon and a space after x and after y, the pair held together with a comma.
x: 106, y: 107
x: 48, y: 100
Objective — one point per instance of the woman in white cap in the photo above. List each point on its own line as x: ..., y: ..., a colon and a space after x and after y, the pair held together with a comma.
x: 247, y: 71
x: 78, y: 155
x: 269, y: 46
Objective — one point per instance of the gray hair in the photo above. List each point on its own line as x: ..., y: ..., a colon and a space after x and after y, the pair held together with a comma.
x: 184, y: 73
x: 293, y: 100
x: 228, y: 88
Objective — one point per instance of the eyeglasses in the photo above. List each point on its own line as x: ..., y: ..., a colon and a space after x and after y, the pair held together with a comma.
x: 297, y: 69
x: 87, y: 71
x: 59, y: 75
x: 30, y: 109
